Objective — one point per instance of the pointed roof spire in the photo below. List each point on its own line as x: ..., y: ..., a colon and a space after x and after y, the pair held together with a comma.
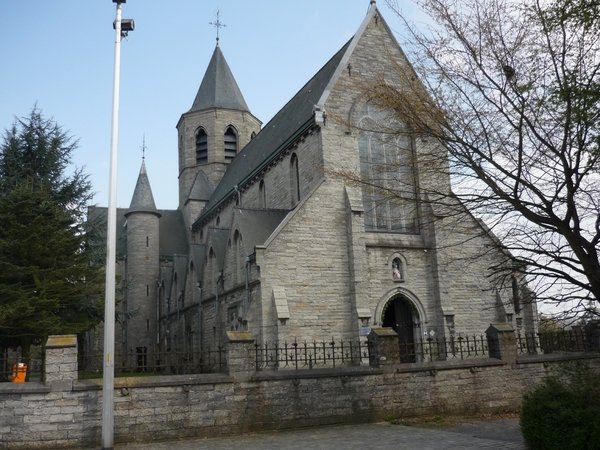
x: 219, y: 88
x: 142, y: 200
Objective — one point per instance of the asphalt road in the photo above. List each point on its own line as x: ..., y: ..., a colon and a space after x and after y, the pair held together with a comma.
x: 497, y: 434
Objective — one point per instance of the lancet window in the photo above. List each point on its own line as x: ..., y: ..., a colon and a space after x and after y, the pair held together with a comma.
x: 230, y: 141
x: 201, y: 147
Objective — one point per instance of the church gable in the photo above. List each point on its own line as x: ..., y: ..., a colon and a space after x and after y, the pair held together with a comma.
x: 288, y: 125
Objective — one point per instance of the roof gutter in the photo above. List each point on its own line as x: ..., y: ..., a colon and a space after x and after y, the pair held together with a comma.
x: 259, y: 169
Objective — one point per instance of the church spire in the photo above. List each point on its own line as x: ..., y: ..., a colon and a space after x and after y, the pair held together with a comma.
x: 142, y: 200
x: 219, y: 88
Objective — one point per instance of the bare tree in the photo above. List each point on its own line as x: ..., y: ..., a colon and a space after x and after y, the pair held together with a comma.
x: 510, y: 90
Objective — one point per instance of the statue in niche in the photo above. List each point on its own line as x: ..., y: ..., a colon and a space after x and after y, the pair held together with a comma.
x: 396, y: 270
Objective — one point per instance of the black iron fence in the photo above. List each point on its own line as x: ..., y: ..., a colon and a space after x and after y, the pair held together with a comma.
x: 436, y: 349
x: 14, y: 367
x: 142, y: 361
x: 575, y: 340
x: 312, y: 355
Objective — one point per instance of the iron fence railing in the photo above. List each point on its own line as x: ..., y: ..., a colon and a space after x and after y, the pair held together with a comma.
x: 155, y: 361
x: 9, y: 360
x: 311, y: 355
x: 436, y: 349
x: 554, y: 341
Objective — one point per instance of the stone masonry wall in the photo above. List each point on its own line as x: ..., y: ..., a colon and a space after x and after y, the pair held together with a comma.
x: 447, y: 264
x: 64, y: 412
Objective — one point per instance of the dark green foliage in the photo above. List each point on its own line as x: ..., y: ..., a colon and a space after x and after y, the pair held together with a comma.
x: 564, y: 411
x: 49, y: 283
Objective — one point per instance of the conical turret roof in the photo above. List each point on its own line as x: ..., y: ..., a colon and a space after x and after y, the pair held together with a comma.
x: 142, y: 200
x: 219, y: 88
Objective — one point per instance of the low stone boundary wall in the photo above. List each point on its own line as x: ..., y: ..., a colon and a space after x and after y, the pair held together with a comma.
x: 64, y: 412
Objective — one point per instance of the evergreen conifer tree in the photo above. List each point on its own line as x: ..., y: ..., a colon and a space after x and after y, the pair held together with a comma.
x: 48, y: 282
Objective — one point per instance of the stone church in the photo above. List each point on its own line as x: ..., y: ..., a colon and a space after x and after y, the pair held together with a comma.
x: 269, y: 238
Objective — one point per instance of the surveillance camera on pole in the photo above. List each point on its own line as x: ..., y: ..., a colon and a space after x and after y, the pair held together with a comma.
x: 122, y: 27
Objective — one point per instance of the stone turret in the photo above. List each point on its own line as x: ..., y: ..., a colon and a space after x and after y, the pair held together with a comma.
x: 218, y: 125
x: 142, y: 269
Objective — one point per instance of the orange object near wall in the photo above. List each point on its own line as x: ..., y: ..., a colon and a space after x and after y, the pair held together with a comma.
x: 19, y: 372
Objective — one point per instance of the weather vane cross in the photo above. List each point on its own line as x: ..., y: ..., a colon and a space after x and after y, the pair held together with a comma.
x: 218, y: 25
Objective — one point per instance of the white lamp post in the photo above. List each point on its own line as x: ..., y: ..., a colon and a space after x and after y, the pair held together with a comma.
x: 108, y: 379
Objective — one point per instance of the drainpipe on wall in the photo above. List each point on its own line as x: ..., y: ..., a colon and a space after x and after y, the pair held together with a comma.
x: 199, y: 318
x: 247, y: 283
x: 179, y: 297
x: 158, y: 286
x: 167, y: 319
x: 219, y: 275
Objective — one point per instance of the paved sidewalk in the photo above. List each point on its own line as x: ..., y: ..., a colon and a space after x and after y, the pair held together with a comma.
x: 347, y: 437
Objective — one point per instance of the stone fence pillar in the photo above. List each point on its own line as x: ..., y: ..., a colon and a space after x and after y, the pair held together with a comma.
x: 502, y: 342
x: 384, y: 351
x: 241, y: 355
x: 61, y: 362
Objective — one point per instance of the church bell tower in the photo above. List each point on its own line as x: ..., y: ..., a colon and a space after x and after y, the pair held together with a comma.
x: 218, y: 125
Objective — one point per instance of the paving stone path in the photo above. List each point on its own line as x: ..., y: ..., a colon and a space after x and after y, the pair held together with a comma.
x: 504, y: 435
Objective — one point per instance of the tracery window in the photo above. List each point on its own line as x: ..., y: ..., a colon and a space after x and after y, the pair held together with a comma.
x: 230, y: 141
x: 201, y: 147
x: 388, y: 175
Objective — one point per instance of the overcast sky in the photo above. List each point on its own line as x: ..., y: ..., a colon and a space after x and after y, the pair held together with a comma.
x: 59, y: 54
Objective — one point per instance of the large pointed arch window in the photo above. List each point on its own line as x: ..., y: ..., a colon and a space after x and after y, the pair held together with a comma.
x: 201, y: 147
x: 388, y: 175
x: 230, y: 141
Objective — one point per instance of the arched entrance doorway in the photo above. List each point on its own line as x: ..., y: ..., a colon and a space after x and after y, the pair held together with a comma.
x: 400, y: 314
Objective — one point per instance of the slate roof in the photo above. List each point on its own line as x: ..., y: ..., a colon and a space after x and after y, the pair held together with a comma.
x: 219, y: 88
x: 256, y: 226
x: 292, y: 119
x: 201, y: 189
x: 217, y: 239
x: 198, y: 252
x: 142, y: 200
x: 172, y: 235
x: 180, y: 263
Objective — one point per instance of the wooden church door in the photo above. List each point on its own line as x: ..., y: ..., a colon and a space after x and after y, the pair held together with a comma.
x: 399, y: 316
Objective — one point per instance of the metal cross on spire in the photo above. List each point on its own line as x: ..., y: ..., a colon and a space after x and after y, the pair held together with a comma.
x: 218, y: 25
x: 143, y: 147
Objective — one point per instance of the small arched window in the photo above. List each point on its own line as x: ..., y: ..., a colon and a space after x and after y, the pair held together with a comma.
x: 201, y: 147
x: 262, y: 195
x: 230, y: 141
x: 294, y: 180
x: 253, y: 135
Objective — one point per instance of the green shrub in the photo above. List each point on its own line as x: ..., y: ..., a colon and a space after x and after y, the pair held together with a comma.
x: 564, y: 411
